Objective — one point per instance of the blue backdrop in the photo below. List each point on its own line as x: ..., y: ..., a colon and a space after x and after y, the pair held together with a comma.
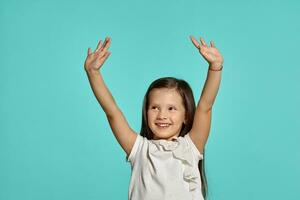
x: 55, y: 141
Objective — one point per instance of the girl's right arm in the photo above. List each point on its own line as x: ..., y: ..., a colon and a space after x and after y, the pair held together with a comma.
x: 122, y: 131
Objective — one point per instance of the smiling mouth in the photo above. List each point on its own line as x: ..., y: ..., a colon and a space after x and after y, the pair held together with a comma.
x: 162, y: 125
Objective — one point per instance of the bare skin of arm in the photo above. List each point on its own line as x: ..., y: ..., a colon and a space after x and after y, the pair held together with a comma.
x: 117, y: 121
x: 202, y: 119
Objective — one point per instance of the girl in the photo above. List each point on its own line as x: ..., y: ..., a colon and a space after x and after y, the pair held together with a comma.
x: 167, y: 157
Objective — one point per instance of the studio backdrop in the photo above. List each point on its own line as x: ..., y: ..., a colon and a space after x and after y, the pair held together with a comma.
x: 55, y: 140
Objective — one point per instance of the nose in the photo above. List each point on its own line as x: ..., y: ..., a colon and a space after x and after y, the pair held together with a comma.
x: 161, y: 115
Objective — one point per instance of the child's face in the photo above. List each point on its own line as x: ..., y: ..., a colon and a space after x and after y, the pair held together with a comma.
x: 165, y: 106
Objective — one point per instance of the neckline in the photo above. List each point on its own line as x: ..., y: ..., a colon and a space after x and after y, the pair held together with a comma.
x: 173, y: 140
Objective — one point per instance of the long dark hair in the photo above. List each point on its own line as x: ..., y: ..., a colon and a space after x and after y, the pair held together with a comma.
x: 185, y: 91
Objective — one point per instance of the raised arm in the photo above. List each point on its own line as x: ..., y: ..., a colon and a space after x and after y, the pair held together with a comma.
x: 122, y: 131
x: 202, y: 119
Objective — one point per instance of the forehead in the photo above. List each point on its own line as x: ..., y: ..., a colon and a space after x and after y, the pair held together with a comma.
x: 165, y: 96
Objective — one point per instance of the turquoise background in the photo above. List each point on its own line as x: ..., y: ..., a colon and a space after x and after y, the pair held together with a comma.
x: 55, y: 140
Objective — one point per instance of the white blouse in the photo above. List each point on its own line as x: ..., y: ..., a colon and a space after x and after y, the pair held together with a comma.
x: 165, y: 170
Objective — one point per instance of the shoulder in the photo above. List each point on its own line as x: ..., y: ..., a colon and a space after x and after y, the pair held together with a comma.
x: 139, y: 142
x: 192, y: 146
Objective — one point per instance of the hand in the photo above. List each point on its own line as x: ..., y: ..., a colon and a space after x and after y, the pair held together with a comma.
x: 95, y: 60
x: 210, y: 53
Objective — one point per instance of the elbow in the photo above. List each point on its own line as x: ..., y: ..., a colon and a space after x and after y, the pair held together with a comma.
x: 205, y: 106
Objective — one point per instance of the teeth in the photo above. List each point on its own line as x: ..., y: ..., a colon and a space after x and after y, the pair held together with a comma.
x: 163, y: 125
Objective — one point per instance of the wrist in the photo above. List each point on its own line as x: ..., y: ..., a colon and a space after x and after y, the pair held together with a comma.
x: 215, y: 67
x: 92, y: 71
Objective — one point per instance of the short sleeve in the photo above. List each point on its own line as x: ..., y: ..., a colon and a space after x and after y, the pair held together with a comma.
x: 193, y: 147
x: 135, y: 149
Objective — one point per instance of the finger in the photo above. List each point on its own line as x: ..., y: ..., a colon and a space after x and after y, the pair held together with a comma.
x: 107, y: 43
x: 212, y: 44
x: 103, y: 48
x: 202, y: 41
x: 99, y: 45
x: 102, y: 45
x: 89, y: 51
x: 106, y: 55
x: 195, y: 42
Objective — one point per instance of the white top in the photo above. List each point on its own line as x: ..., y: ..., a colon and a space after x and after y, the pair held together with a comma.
x: 165, y: 170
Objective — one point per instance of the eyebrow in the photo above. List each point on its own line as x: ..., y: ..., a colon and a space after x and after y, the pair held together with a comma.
x: 154, y: 104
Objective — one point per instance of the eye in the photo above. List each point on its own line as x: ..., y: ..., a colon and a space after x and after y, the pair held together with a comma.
x: 153, y: 107
x: 172, y: 108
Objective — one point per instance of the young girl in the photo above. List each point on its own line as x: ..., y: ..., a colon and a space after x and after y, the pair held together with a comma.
x: 167, y: 157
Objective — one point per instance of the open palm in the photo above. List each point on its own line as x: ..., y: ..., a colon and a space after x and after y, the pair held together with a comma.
x: 210, y: 53
x: 96, y: 59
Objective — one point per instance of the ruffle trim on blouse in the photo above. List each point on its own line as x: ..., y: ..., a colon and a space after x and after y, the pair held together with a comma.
x: 180, y: 150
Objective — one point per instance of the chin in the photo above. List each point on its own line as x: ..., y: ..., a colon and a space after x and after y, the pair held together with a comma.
x: 164, y: 136
x: 165, y: 133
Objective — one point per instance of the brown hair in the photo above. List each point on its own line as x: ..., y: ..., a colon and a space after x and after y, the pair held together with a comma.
x: 185, y: 91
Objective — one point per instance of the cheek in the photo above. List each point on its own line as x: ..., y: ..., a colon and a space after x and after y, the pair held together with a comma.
x: 179, y: 118
x: 149, y: 116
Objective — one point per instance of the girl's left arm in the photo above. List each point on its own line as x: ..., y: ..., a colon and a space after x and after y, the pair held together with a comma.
x: 202, y: 119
